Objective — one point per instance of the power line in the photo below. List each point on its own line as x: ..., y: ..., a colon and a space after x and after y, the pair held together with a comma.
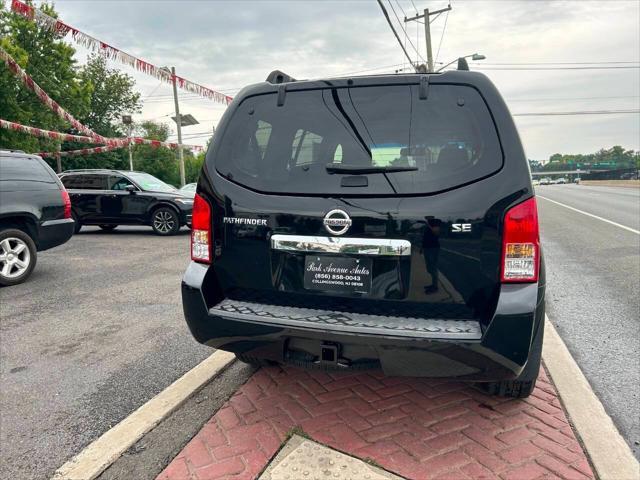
x: 479, y: 66
x: 386, y: 15
x: 400, y: 7
x: 584, y: 112
x: 441, y: 36
x: 406, y: 35
x: 568, y: 98
x: 558, y: 63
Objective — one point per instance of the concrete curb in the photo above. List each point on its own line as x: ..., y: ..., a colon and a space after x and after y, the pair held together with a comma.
x: 102, y: 452
x: 610, y: 455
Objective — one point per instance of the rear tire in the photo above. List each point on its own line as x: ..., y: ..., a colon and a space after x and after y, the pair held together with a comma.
x: 522, y: 386
x: 18, y: 256
x: 108, y: 228
x: 77, y: 225
x: 165, y: 221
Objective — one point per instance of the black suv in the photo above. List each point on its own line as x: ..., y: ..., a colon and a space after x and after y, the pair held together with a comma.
x: 371, y: 221
x: 35, y: 214
x: 109, y: 198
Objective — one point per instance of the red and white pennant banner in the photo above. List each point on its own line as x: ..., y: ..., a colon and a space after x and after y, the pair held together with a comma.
x: 38, y: 132
x: 75, y: 153
x: 28, y: 82
x: 92, y: 43
x: 90, y: 135
x: 113, y: 143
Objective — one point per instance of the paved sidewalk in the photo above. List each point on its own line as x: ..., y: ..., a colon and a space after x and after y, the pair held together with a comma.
x: 415, y: 428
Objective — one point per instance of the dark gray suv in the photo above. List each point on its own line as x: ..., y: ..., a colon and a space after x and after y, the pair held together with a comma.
x: 35, y: 214
x: 109, y: 198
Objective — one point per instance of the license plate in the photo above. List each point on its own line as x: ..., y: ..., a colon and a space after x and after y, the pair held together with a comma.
x: 337, y: 274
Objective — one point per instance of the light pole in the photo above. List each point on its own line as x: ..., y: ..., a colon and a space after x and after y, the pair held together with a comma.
x: 181, y: 121
x: 126, y: 119
x: 462, y: 62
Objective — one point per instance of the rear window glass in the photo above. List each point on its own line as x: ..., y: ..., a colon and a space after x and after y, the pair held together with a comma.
x: 308, y: 145
x: 24, y: 168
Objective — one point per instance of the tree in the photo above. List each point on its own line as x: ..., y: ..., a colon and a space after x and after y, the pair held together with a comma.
x: 94, y: 94
x: 50, y: 62
x: 112, y: 95
x: 192, y: 166
x: 160, y: 162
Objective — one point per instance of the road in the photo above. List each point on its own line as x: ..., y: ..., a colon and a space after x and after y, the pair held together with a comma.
x: 97, y: 331
x: 593, y: 285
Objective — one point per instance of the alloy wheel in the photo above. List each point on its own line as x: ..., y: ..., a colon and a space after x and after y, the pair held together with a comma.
x: 14, y: 257
x: 163, y: 221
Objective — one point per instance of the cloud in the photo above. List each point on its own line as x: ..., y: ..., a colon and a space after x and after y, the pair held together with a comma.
x: 228, y: 44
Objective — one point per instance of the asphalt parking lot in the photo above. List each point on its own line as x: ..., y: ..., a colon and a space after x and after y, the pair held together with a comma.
x: 95, y: 332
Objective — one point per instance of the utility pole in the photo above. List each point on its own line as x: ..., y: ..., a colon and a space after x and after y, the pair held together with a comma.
x: 427, y: 31
x: 59, y: 158
x: 179, y: 125
x: 130, y: 152
x: 128, y: 121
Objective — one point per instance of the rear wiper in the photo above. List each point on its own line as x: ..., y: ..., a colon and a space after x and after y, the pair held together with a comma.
x: 359, y: 169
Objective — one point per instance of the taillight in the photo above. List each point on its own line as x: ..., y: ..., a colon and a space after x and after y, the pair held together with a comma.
x: 201, y: 230
x: 521, y: 244
x: 67, y: 203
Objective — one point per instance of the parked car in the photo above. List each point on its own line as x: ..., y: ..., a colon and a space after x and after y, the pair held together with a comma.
x: 545, y: 181
x: 560, y: 181
x: 350, y: 168
x: 35, y: 214
x: 535, y: 182
x: 189, y: 189
x: 109, y: 198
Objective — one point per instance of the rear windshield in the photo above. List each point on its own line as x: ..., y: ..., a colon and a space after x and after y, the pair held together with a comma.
x: 24, y: 168
x: 387, y: 136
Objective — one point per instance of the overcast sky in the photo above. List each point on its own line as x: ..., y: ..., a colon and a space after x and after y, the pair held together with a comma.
x: 226, y: 45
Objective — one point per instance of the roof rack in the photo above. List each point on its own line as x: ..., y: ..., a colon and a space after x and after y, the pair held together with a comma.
x: 79, y: 170
x: 11, y: 150
x: 277, y: 77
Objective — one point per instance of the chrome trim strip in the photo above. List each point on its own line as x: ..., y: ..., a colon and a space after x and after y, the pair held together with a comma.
x: 357, y: 246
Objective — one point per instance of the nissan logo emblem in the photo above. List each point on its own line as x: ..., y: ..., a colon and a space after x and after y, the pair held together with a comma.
x: 337, y: 222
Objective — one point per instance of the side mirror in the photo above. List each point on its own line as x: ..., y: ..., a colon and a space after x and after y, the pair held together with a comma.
x: 130, y: 189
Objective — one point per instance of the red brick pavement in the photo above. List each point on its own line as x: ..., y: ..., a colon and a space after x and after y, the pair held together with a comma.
x: 416, y: 428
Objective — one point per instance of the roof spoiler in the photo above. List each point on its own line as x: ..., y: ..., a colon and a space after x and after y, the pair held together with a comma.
x: 277, y: 77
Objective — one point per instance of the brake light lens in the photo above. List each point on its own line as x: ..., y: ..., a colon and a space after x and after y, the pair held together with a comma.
x: 521, y: 244
x: 201, y: 230
x: 67, y: 202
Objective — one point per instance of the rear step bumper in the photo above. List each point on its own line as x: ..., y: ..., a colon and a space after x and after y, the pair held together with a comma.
x: 403, y: 346
x: 347, y: 322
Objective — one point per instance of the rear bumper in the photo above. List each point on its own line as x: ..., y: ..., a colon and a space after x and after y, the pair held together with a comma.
x: 410, y: 347
x: 54, y: 232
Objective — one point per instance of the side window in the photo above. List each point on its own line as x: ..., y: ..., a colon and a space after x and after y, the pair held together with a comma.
x: 71, y: 181
x: 305, y: 148
x: 118, y: 183
x: 85, y: 182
